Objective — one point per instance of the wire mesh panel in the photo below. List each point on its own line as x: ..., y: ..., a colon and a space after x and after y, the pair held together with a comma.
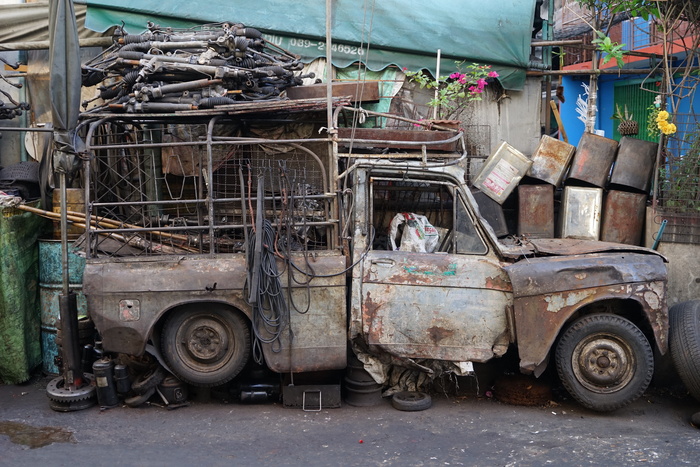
x: 678, y: 191
x: 171, y: 188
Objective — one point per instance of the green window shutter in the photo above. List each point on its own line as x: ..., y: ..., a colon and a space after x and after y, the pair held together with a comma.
x: 636, y: 96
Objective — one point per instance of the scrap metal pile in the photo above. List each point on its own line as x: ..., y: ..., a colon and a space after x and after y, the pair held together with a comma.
x: 164, y: 70
x: 14, y: 108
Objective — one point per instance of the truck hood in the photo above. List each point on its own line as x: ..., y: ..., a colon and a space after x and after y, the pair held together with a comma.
x: 569, y: 247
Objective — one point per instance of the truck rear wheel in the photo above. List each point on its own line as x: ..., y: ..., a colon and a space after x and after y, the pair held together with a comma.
x: 684, y: 342
x: 205, y: 347
x: 604, y: 361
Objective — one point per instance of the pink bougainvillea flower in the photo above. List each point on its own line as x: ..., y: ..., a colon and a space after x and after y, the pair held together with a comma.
x: 455, y: 75
x: 463, y: 79
x: 481, y: 82
x: 493, y: 74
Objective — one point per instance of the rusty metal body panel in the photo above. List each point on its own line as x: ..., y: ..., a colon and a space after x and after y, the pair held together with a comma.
x: 634, y: 164
x: 126, y: 298
x: 623, y: 217
x: 548, y: 291
x: 551, y: 159
x: 536, y: 211
x: 443, y: 307
x: 593, y: 159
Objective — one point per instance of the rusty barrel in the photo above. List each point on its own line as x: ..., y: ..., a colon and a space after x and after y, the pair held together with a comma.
x: 593, y: 159
x: 50, y: 289
x: 580, y: 212
x: 634, y: 164
x: 623, y: 217
x: 551, y: 159
x: 536, y: 211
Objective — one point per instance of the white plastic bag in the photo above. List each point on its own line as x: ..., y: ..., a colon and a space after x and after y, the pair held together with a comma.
x: 418, y: 234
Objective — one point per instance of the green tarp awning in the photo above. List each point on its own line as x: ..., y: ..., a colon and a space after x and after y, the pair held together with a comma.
x: 406, y: 33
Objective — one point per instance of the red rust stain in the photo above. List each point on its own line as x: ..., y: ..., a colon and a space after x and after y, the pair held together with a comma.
x: 437, y: 333
x: 498, y: 283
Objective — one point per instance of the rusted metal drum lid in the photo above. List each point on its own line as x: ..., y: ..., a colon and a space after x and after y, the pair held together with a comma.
x: 634, y: 164
x: 593, y: 159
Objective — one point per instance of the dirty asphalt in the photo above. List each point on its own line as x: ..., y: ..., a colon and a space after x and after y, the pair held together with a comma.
x: 465, y: 429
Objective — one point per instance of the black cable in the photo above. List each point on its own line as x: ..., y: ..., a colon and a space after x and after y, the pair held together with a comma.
x: 270, y: 310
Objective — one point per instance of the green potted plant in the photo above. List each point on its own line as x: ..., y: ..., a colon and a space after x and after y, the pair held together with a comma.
x: 456, y: 91
x: 627, y: 126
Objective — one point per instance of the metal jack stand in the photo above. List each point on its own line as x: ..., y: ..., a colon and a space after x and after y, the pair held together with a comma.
x: 74, y: 390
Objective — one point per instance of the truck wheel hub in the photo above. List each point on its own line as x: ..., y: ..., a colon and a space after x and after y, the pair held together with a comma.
x: 603, y: 364
x: 207, y: 341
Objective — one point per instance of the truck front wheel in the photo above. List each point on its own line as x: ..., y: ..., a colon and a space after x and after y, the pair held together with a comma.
x: 205, y: 347
x: 604, y: 361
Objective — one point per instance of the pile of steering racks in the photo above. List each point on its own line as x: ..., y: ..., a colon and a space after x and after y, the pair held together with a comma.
x: 164, y: 70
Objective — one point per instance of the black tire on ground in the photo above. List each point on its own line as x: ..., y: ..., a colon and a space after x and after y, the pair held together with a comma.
x: 411, y: 401
x: 207, y: 346
x: 140, y: 399
x: 148, y: 380
x: 604, y: 361
x: 684, y: 343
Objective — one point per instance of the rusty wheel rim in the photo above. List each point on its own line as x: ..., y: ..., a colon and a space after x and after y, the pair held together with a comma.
x: 204, y: 343
x: 603, y: 363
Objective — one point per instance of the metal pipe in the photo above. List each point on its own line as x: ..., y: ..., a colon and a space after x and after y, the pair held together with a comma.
x: 44, y: 45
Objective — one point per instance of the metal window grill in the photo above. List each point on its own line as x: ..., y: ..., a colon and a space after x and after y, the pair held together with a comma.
x: 678, y: 190
x: 168, y: 188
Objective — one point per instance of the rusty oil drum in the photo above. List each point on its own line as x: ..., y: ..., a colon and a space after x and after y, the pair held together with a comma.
x: 623, y: 217
x: 593, y: 159
x: 634, y: 164
x: 551, y: 159
x: 536, y: 211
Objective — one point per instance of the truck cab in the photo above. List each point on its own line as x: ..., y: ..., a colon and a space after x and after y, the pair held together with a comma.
x: 212, y: 246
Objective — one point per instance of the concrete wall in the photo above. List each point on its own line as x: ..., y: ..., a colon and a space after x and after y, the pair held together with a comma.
x: 683, y: 264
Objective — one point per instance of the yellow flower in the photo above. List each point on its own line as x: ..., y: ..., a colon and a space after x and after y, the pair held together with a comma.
x: 668, y: 129
x: 662, y: 116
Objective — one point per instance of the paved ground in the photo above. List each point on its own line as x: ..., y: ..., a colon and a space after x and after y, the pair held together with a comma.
x: 457, y: 430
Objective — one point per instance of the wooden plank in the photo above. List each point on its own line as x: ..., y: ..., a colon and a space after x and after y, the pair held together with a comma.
x: 363, y: 91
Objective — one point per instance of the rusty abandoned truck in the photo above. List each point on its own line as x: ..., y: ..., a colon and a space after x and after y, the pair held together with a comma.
x: 219, y: 238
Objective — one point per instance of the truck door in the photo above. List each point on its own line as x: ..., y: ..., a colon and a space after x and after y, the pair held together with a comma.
x: 448, y: 304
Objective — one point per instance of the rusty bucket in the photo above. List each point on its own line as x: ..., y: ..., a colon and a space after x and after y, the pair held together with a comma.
x: 623, y: 217
x: 593, y: 159
x: 634, y: 164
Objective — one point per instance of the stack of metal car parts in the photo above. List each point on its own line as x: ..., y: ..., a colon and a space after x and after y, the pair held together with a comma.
x: 14, y: 108
x: 164, y: 70
x: 604, y: 188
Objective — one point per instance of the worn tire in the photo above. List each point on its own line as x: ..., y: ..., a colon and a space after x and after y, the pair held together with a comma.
x: 684, y: 343
x: 206, y: 347
x: 148, y: 380
x: 411, y: 401
x: 604, y: 361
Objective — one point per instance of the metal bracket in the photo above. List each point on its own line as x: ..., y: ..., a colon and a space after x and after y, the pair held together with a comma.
x: 303, y: 403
